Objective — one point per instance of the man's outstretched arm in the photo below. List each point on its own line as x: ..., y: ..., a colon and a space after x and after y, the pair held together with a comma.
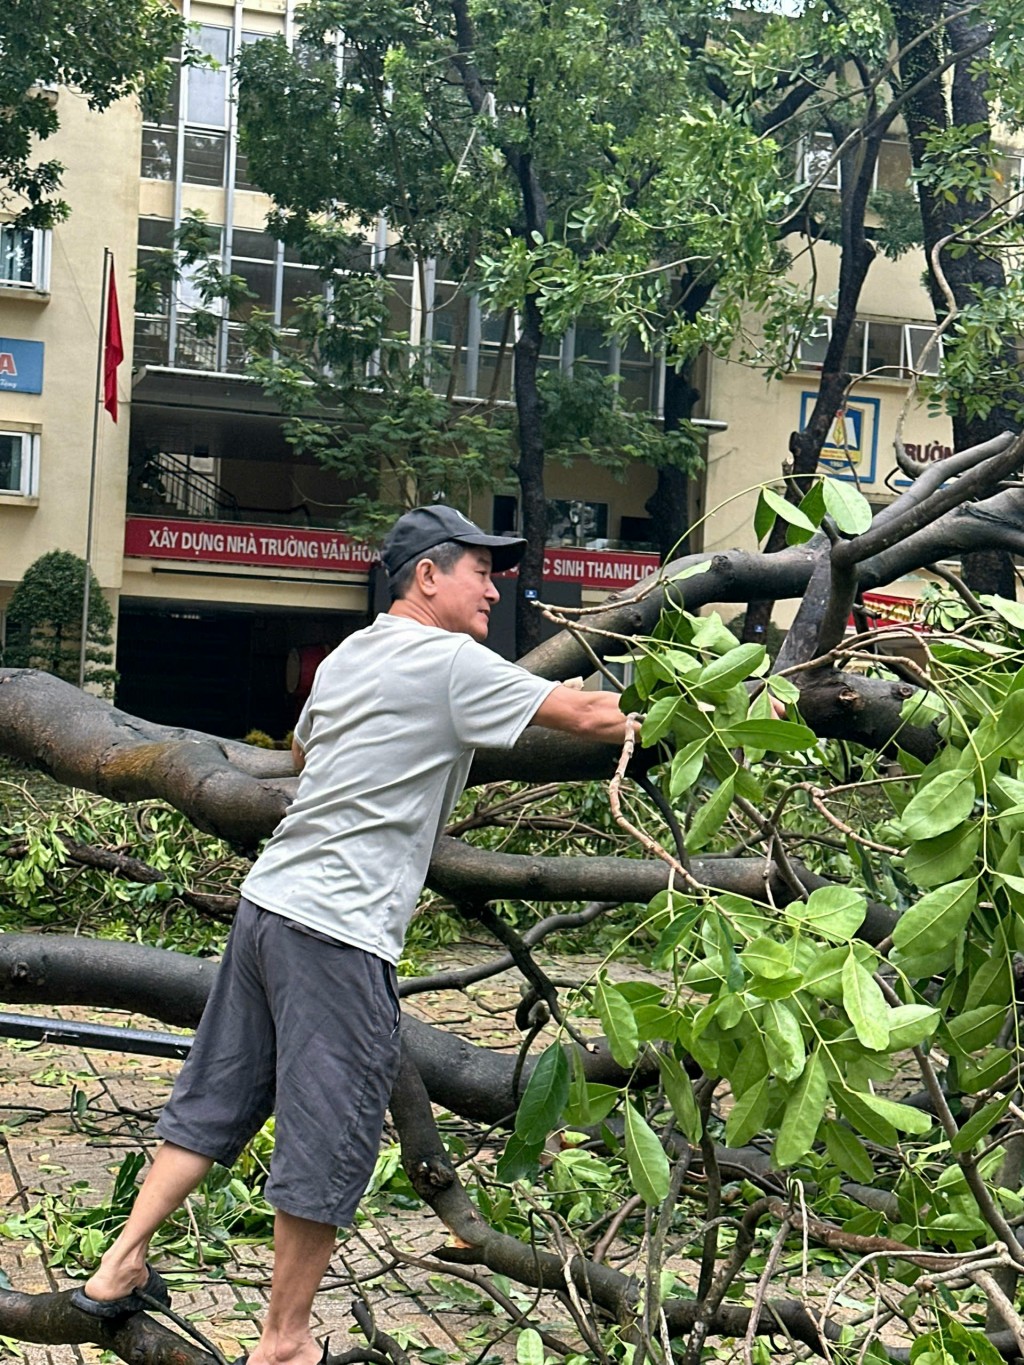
x: 591, y: 715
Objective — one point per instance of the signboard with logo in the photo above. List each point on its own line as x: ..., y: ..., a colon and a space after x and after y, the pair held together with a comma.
x: 851, y: 447
x: 289, y: 547
x: 21, y: 365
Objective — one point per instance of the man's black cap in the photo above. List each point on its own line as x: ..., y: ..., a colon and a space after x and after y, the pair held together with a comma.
x: 418, y: 531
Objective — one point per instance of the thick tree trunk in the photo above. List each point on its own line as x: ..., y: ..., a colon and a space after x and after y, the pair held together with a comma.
x: 805, y: 446
x: 924, y: 42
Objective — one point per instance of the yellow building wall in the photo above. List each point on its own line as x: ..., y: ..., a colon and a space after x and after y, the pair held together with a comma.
x: 761, y: 416
x: 101, y: 185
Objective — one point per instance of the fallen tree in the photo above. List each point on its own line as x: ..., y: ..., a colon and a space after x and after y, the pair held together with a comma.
x: 834, y: 895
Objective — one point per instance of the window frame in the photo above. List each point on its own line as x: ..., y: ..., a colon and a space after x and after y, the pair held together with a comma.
x: 904, y: 372
x: 30, y: 446
x: 41, y: 249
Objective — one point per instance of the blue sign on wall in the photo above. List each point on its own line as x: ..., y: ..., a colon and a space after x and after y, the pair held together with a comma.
x: 21, y: 365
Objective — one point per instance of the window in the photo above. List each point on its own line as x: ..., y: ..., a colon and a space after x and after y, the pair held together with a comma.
x: 892, y: 169
x: 877, y: 350
x: 208, y: 85
x: 24, y: 258
x: 818, y: 151
x: 203, y: 158
x: 19, y: 463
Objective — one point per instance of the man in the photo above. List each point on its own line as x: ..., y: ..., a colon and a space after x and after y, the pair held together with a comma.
x: 303, y: 1018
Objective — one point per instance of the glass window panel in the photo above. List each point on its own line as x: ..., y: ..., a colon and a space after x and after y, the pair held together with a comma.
x: 158, y: 232
x: 814, y: 345
x: 17, y: 254
x: 884, y: 341
x: 894, y: 166
x: 159, y: 146
x: 167, y: 115
x: 299, y: 283
x: 258, y: 246
x: 189, y: 292
x: 259, y: 277
x: 449, y: 315
x: 399, y: 301
x: 242, y: 181
x: 10, y: 461
x: 917, y: 339
x: 150, y: 341
x: 488, y: 370
x: 635, y: 386
x: 496, y: 327
x: 158, y: 300
x: 208, y: 86
x: 204, y: 159
x: 853, y: 356
x: 551, y: 349
x: 633, y: 349
x: 397, y: 261
x: 818, y: 152
x: 591, y: 343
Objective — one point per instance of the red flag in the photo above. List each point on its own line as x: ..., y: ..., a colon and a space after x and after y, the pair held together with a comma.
x: 113, y: 351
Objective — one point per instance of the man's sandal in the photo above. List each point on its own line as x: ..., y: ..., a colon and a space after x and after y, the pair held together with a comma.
x: 154, y: 1294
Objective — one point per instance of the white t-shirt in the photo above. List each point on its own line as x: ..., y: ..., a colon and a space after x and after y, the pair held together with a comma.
x: 388, y: 732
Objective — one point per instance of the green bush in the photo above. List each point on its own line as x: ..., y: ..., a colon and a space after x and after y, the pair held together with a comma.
x: 44, y: 623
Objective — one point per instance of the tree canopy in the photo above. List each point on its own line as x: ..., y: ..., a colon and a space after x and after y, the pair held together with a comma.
x: 112, y: 49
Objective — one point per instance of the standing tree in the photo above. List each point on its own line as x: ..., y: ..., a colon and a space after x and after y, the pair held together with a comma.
x: 112, y: 49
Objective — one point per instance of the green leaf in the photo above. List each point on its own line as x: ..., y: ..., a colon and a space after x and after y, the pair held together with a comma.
x: 680, y: 1096
x: 1009, y: 736
x: 865, y: 1004
x: 519, y: 1160
x: 848, y: 508
x: 901, y: 1116
x: 975, y: 1029
x: 618, y: 1022
x: 932, y: 862
x: 545, y: 1097
x: 979, y: 1124
x: 648, y: 1164
x: 777, y: 736
x: 748, y: 1115
x: 786, y: 510
x: 529, y: 1348
x: 686, y: 766
x: 934, y: 923
x: 805, y: 1109
x: 874, y: 1126
x: 767, y: 958
x: 783, y: 1041
x: 910, y: 1025
x: 710, y: 817
x: 941, y: 804
x: 848, y: 1153
x: 824, y: 977
x: 659, y: 718
x: 833, y: 912
x: 727, y: 670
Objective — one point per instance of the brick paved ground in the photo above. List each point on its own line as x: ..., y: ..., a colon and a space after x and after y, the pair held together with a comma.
x: 69, y: 1115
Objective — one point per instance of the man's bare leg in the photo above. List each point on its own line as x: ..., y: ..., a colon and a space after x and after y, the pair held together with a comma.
x: 302, y: 1253
x: 173, y: 1176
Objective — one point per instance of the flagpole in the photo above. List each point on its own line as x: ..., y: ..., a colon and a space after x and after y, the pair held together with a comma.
x: 108, y: 257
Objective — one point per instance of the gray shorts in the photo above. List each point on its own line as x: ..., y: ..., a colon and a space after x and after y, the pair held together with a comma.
x: 303, y: 1029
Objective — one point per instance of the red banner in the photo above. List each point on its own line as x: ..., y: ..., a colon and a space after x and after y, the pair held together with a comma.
x: 289, y: 547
